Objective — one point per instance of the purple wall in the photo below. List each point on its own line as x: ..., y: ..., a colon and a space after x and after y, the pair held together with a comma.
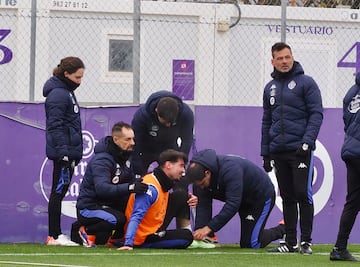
x: 26, y: 174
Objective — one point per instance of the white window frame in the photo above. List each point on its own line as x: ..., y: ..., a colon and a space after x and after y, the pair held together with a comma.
x: 107, y: 76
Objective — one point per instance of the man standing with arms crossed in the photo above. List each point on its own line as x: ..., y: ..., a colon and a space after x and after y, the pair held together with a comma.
x: 291, y: 121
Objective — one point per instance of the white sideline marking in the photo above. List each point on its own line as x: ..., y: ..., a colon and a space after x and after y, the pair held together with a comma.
x: 205, y: 252
x: 39, y: 264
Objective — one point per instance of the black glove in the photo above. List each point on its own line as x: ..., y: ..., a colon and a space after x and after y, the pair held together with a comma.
x: 267, y: 164
x: 303, y: 151
x: 138, y: 188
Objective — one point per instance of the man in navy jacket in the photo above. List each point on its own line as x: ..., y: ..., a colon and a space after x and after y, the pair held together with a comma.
x: 350, y: 153
x: 105, y: 189
x: 290, y: 125
x: 244, y: 187
x: 164, y: 122
x: 158, y: 124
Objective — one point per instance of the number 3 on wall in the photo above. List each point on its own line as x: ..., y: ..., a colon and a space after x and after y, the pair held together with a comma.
x: 7, y: 53
x: 356, y: 64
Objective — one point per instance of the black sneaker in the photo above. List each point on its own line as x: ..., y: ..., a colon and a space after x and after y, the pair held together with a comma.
x: 305, y: 248
x: 341, y: 255
x: 284, y: 248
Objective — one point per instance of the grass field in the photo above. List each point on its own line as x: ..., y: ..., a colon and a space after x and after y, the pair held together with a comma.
x: 20, y: 255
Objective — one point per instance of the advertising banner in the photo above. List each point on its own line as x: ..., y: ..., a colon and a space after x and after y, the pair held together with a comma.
x: 26, y: 172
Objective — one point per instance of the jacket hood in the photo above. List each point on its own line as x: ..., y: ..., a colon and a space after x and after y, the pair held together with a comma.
x: 102, y: 145
x: 207, y: 158
x: 52, y: 83
x: 357, y: 78
x: 154, y: 98
x: 106, y: 144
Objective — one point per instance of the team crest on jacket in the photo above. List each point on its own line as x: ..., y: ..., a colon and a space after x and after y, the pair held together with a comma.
x: 291, y: 85
x: 76, y: 109
x: 115, y: 180
x: 272, y: 94
x: 354, y: 105
x: 273, y: 90
x: 154, y: 130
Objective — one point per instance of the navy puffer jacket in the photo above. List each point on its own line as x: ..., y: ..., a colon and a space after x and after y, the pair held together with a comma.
x: 105, y: 182
x: 63, y: 123
x: 351, y: 117
x: 234, y: 180
x: 293, y: 112
x: 153, y: 137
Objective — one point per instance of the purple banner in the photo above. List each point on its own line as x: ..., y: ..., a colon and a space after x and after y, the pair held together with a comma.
x: 184, y: 78
x: 26, y: 173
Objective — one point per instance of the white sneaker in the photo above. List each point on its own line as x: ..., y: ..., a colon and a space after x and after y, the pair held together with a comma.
x: 50, y: 241
x: 62, y: 240
x: 201, y: 244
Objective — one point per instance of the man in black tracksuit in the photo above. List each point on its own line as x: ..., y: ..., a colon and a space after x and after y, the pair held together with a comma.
x: 244, y: 187
x: 290, y: 125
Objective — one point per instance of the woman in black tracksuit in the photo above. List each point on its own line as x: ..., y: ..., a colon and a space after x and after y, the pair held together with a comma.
x: 64, y: 144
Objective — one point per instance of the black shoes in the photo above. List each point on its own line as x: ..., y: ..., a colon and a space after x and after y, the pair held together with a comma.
x: 341, y: 255
x: 305, y: 248
x: 284, y: 248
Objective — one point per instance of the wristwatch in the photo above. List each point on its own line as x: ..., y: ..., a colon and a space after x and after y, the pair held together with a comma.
x: 305, y: 147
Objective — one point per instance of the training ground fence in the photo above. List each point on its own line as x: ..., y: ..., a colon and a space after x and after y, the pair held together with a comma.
x: 207, y: 52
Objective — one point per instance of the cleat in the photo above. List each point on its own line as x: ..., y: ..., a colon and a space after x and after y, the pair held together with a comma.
x: 211, y: 240
x: 114, y: 243
x: 88, y: 240
x: 50, y: 241
x: 341, y: 255
x: 305, y: 248
x: 201, y: 244
x: 62, y: 240
x: 284, y: 248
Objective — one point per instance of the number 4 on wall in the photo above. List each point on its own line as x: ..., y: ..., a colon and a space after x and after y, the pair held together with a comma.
x: 7, y: 53
x: 355, y: 48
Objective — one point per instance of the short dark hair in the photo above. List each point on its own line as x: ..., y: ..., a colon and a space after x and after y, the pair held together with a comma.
x: 168, y: 109
x: 195, y: 172
x: 171, y: 155
x: 68, y: 64
x: 278, y: 47
x: 117, y: 128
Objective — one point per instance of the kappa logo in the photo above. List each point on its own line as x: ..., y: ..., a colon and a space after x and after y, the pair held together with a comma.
x: 250, y: 218
x: 323, y: 179
x: 149, y: 192
x: 302, y: 166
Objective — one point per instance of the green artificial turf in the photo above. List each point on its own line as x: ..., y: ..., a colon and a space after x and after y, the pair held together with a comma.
x: 226, y: 255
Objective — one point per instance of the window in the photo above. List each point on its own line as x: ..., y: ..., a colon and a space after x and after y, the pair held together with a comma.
x: 120, y: 55
x: 117, y: 57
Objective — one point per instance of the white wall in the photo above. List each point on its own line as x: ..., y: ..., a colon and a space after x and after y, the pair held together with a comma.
x: 231, y: 67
